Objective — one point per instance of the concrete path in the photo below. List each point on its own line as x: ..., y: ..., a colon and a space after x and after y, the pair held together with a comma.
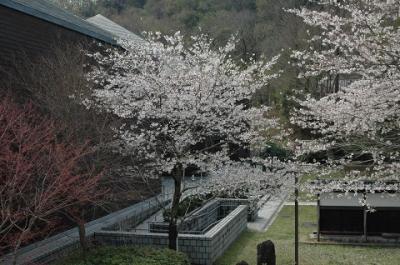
x: 302, y: 203
x: 267, y: 214
x: 145, y: 225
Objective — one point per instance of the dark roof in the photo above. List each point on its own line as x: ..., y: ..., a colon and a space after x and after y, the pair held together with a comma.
x: 47, y: 11
x: 116, y: 30
x: 367, y: 185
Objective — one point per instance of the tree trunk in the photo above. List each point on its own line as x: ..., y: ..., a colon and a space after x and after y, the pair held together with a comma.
x: 173, y: 226
x: 82, y: 235
x: 15, y: 253
x: 20, y: 239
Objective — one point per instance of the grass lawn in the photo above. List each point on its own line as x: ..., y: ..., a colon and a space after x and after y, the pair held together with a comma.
x: 282, y: 234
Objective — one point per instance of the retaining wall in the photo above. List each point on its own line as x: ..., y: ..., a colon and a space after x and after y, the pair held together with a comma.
x: 201, y: 249
x: 201, y: 220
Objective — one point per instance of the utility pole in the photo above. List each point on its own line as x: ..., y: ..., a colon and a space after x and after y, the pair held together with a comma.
x: 296, y: 221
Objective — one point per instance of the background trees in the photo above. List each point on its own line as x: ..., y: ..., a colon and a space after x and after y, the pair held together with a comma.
x: 359, y: 44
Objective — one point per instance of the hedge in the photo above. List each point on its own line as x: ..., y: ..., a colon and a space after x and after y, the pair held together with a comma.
x: 127, y: 256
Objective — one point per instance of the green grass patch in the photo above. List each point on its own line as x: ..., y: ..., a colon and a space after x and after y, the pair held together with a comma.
x: 282, y: 234
x: 127, y: 256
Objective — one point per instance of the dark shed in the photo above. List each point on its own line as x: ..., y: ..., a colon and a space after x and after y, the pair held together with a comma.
x: 344, y: 214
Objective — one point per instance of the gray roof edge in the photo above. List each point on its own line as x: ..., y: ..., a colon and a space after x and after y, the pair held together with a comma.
x: 97, y: 20
x: 60, y: 22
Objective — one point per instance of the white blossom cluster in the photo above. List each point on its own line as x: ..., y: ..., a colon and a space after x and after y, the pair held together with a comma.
x: 262, y: 176
x: 359, y: 39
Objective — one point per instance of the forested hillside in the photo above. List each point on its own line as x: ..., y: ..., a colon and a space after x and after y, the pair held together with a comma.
x: 263, y: 28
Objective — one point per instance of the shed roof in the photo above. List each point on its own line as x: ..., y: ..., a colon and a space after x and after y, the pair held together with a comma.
x: 49, y: 12
x: 384, y: 200
x: 116, y: 30
x: 367, y: 185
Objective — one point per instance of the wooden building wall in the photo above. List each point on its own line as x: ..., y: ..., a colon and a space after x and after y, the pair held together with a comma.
x: 383, y: 221
x: 350, y: 221
x: 341, y: 220
x: 22, y: 36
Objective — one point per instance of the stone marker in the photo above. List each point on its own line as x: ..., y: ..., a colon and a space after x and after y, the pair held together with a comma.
x: 243, y: 263
x: 266, y: 253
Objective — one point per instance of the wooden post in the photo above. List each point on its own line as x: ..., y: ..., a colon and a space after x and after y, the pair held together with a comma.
x: 296, y: 221
x: 365, y: 218
x: 319, y: 217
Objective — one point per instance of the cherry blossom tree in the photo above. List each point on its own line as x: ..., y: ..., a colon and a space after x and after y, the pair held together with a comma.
x: 359, y: 42
x: 186, y: 103
x: 40, y: 175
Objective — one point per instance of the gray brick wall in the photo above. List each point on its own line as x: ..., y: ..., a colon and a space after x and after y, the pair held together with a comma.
x: 199, y: 221
x: 201, y: 249
x: 137, y: 215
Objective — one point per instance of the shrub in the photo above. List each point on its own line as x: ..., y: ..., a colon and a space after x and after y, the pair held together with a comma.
x: 188, y: 205
x: 196, y: 201
x: 128, y: 256
x: 275, y: 150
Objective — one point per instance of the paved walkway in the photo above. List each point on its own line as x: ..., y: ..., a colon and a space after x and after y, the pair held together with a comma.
x: 270, y: 210
x: 302, y: 203
x: 267, y: 214
x: 145, y: 225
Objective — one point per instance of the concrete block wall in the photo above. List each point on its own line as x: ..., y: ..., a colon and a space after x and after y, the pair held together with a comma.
x: 197, y: 221
x: 200, y: 220
x: 201, y: 249
x: 211, y: 212
x: 138, y: 215
x: 227, y: 231
x: 252, y: 210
